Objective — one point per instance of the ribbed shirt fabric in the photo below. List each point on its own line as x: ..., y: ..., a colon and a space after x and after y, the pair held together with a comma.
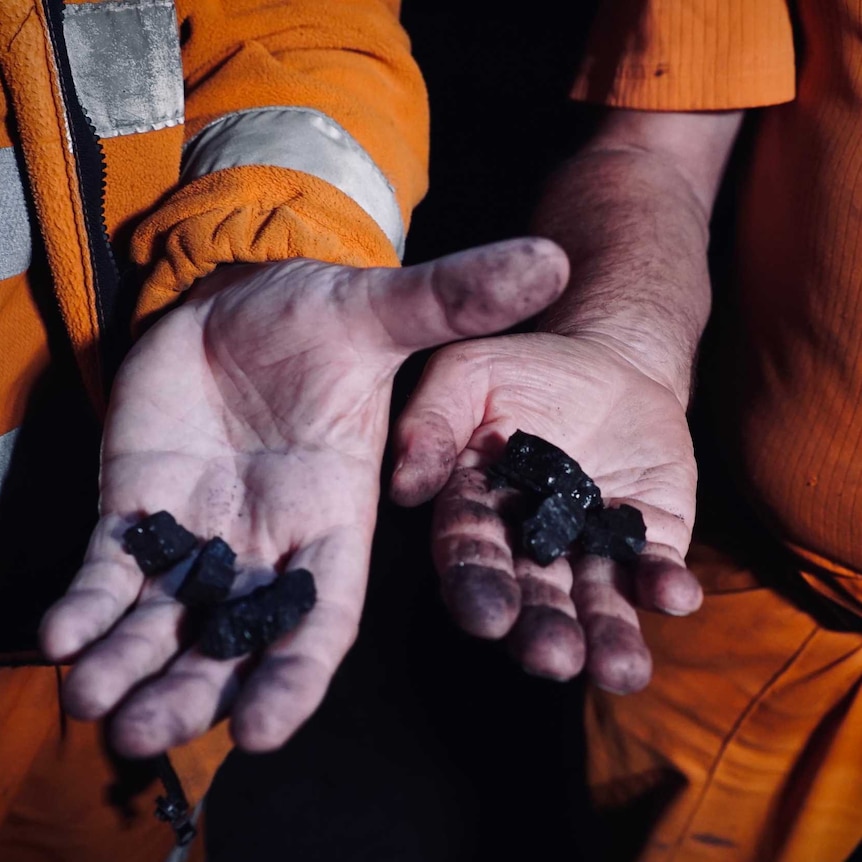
x: 686, y: 55
x: 790, y: 389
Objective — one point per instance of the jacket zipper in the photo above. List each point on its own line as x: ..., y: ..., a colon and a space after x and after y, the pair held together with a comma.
x: 173, y: 807
x: 89, y: 159
x: 111, y: 313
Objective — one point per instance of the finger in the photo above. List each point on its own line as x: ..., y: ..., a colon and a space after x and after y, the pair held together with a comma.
x: 294, y: 673
x: 547, y: 639
x: 660, y: 577
x: 193, y: 694
x: 474, y: 292
x: 617, y: 657
x: 268, y: 702
x: 663, y: 583
x: 292, y: 679
x: 438, y: 422
x: 140, y: 646
x: 471, y: 551
x: 108, y: 582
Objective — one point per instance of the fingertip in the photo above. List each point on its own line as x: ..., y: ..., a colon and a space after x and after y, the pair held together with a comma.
x: 254, y: 732
x: 526, y: 273
x: 623, y: 675
x: 75, y: 621
x: 681, y: 608
x: 413, y: 484
x: 546, y: 266
x: 484, y: 602
x: 617, y: 658
x: 139, y: 736
x: 548, y: 643
x: 82, y: 695
x: 551, y: 255
x: 668, y: 587
x: 426, y: 451
x: 59, y: 635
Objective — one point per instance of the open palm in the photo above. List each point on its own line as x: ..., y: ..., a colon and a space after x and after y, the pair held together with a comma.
x: 628, y: 432
x: 257, y: 411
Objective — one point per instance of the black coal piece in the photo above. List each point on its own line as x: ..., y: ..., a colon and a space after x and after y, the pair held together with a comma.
x: 552, y: 529
x: 616, y: 533
x: 211, y: 576
x: 158, y: 542
x: 252, y: 622
x: 531, y: 464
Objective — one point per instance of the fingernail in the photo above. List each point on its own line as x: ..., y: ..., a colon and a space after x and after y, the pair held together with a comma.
x: 618, y: 691
x: 673, y: 612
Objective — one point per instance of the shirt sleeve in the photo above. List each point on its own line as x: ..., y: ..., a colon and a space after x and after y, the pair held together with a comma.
x: 306, y: 135
x: 689, y: 55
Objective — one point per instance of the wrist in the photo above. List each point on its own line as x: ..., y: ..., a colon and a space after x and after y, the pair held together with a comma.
x: 667, y: 360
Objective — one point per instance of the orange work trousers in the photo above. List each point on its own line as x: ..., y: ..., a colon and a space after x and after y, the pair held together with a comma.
x: 56, y: 801
x: 747, y: 744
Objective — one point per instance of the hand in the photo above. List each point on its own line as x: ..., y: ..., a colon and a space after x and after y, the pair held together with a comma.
x: 627, y: 430
x: 257, y: 411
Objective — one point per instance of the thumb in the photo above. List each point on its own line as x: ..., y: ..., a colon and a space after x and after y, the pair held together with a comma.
x: 445, y: 409
x: 474, y: 292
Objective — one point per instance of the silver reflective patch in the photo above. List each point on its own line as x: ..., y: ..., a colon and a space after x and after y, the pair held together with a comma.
x: 15, y: 240
x: 7, y: 447
x: 303, y: 140
x: 126, y: 63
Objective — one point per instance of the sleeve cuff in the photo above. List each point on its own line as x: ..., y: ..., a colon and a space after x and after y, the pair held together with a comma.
x: 251, y: 214
x: 689, y: 55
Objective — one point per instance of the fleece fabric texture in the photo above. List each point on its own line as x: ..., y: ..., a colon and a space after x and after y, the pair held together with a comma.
x: 349, y: 59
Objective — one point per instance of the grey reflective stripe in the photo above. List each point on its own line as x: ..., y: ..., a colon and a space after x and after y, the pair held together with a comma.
x: 126, y: 63
x: 7, y: 446
x: 15, y: 241
x: 303, y: 140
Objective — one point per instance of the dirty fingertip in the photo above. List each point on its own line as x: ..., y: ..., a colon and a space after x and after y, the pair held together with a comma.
x: 617, y: 657
x: 422, y: 471
x: 417, y: 482
x: 484, y: 602
x: 548, y: 643
x: 667, y: 587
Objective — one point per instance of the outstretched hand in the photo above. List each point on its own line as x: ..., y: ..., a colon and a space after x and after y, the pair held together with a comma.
x: 629, y: 433
x: 257, y: 411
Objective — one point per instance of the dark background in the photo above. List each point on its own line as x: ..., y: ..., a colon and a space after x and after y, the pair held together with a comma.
x: 432, y: 746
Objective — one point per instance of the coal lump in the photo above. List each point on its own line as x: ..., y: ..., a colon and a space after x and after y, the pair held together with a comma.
x: 211, y: 576
x: 567, y: 504
x: 253, y: 621
x: 552, y: 529
x: 157, y: 542
x: 617, y: 533
x: 531, y: 464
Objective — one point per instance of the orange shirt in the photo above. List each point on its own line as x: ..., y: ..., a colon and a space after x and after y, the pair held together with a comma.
x: 790, y: 393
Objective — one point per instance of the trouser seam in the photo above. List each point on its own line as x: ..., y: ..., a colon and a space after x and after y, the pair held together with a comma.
x: 732, y: 734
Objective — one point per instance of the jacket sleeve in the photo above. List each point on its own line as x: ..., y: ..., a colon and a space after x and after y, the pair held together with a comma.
x: 306, y: 135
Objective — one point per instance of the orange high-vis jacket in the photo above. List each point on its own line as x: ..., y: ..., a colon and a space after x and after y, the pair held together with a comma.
x: 145, y: 142
x: 304, y: 125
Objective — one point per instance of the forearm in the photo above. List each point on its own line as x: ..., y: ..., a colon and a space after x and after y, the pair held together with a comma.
x: 634, y: 219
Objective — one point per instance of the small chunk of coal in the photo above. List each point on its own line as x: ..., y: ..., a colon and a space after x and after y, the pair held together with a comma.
x: 552, y: 529
x: 534, y: 465
x: 253, y: 621
x: 569, y: 507
x: 616, y: 533
x: 211, y: 576
x: 158, y: 542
